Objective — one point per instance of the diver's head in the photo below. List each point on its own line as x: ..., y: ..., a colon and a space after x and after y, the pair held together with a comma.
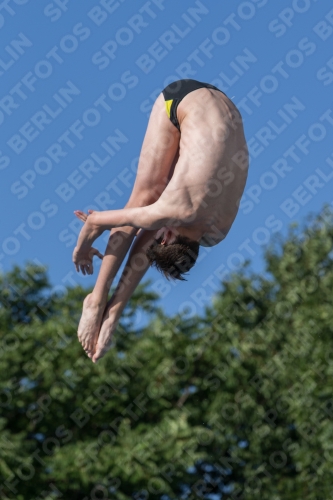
x: 172, y: 253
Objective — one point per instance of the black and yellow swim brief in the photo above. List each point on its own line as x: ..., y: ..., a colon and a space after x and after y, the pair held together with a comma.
x: 176, y: 91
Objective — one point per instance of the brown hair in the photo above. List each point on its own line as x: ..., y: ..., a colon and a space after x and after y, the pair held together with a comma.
x: 174, y: 259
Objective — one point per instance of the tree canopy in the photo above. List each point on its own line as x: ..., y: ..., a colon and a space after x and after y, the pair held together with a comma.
x: 234, y: 404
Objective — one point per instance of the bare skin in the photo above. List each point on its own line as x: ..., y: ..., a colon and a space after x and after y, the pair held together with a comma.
x: 188, y: 183
x: 149, y: 184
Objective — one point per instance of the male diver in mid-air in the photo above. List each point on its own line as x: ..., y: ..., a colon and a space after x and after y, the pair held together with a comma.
x: 191, y: 175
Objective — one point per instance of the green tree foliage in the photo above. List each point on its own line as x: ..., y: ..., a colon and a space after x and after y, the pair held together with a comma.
x: 236, y: 404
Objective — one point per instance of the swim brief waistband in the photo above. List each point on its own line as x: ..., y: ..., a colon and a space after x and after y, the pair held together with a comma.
x: 175, y: 93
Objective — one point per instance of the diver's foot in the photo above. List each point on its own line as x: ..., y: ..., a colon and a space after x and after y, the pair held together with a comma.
x: 90, y: 323
x: 104, y: 342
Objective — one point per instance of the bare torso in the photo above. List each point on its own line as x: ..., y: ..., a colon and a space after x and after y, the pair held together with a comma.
x: 211, y: 171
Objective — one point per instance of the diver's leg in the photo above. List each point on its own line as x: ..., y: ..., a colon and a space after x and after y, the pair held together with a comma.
x: 136, y: 267
x: 159, y: 154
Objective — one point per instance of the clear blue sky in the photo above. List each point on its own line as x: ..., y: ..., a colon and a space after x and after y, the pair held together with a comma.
x: 75, y: 73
